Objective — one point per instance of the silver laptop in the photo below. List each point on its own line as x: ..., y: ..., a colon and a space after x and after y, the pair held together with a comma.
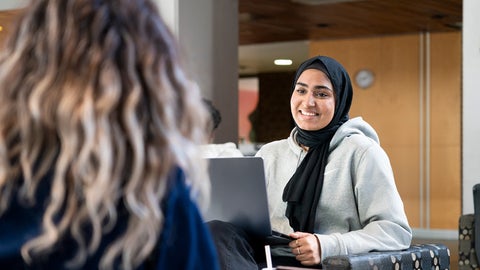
x: 239, y: 196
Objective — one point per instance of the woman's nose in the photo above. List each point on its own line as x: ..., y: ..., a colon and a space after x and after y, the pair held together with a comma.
x: 310, y: 100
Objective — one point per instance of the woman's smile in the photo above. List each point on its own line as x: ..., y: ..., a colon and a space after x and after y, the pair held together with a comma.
x: 305, y: 113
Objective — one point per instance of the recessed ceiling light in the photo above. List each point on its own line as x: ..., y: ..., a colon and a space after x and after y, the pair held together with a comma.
x: 282, y: 62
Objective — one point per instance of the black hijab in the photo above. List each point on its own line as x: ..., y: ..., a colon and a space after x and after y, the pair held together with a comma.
x: 302, y: 192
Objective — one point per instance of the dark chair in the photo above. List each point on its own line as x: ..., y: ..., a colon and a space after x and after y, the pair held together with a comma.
x: 468, y: 240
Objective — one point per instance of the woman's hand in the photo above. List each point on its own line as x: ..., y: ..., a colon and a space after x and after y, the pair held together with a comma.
x: 306, y: 247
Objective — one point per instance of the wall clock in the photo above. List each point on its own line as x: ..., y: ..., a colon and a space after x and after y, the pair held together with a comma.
x: 364, y: 78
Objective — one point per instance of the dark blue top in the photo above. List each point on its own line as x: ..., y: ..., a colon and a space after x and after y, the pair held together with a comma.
x: 185, y: 241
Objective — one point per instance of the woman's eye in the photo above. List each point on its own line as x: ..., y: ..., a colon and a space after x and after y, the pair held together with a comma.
x: 300, y: 91
x: 321, y: 94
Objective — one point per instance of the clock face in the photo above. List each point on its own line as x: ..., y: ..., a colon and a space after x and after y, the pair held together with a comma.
x: 364, y: 78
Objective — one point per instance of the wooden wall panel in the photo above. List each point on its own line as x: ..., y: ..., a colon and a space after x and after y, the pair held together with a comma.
x: 410, y: 100
x: 445, y: 126
x: 390, y: 105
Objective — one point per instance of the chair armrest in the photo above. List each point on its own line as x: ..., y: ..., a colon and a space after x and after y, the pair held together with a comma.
x: 467, y: 258
x: 418, y: 256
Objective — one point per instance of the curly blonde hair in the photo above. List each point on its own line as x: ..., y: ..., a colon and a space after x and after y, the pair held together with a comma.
x: 95, y: 92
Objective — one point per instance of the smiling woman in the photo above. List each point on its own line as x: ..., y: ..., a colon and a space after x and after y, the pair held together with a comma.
x: 330, y: 184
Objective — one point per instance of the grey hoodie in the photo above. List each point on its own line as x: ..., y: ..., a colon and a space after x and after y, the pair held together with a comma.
x: 360, y: 209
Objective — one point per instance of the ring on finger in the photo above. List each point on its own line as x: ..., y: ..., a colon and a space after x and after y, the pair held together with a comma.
x: 298, y: 251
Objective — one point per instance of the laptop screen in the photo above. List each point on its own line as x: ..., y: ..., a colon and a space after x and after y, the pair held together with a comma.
x: 239, y: 194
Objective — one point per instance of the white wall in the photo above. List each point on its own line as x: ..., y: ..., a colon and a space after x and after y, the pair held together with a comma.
x: 471, y: 102
x: 208, y: 33
x: 12, y: 4
x: 169, y: 12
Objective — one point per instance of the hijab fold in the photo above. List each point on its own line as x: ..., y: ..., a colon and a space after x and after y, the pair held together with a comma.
x: 303, y: 190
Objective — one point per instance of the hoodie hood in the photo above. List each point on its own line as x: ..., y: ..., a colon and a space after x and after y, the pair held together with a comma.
x: 354, y: 126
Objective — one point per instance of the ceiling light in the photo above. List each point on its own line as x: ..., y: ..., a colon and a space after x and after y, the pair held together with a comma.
x: 282, y: 62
